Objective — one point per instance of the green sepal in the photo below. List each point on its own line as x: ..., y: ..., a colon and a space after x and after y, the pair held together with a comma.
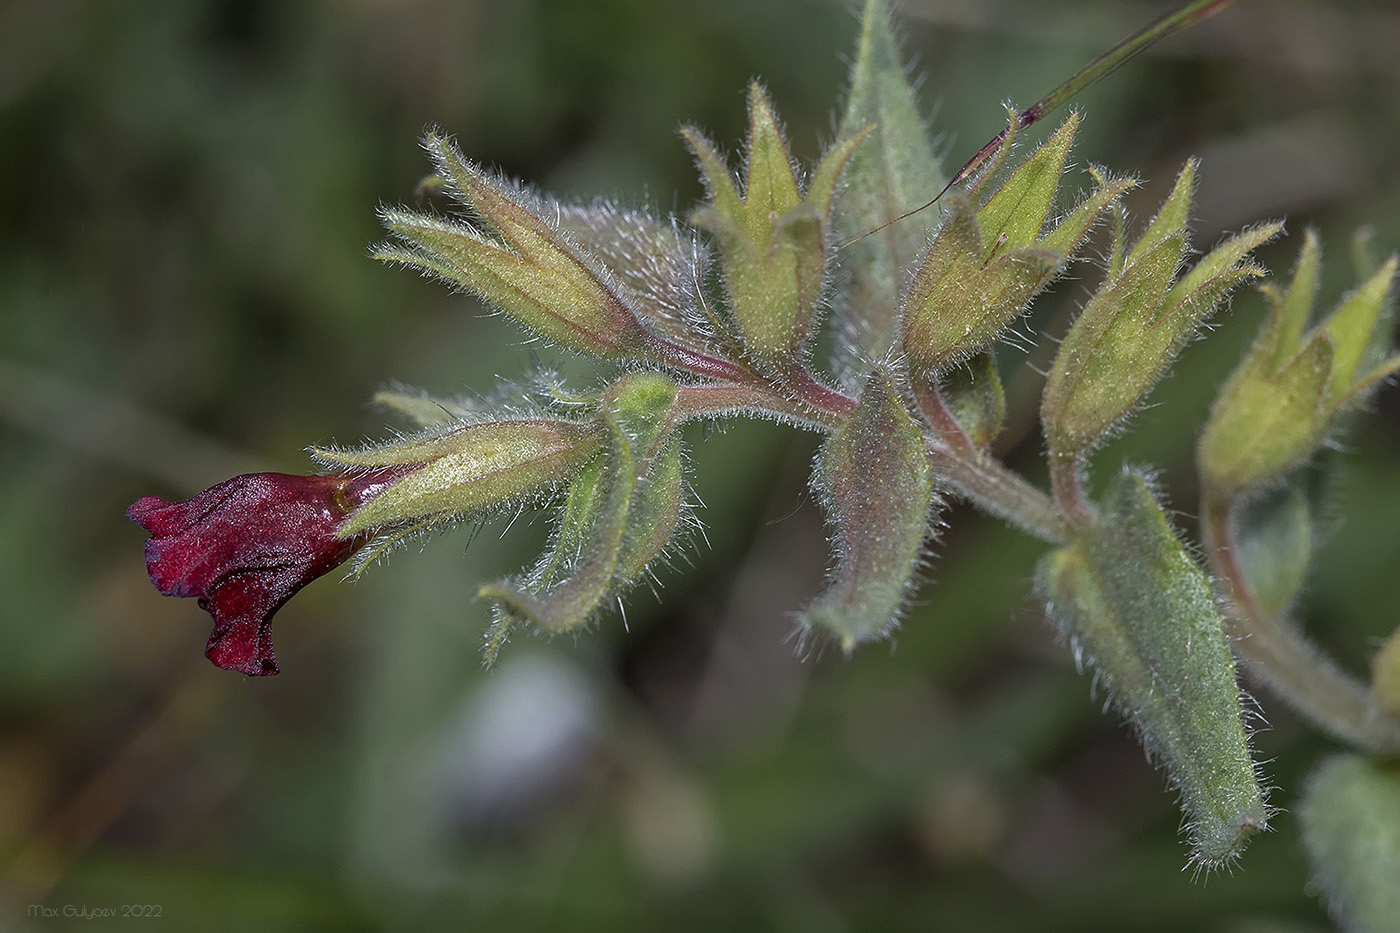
x: 773, y: 237
x: 1133, y: 603
x: 985, y: 265
x: 1072, y: 229
x: 657, y: 262
x: 1274, y: 544
x: 974, y: 394
x: 528, y: 268
x: 1292, y: 308
x: 1350, y: 822
x: 466, y: 471
x: 1132, y: 328
x: 1286, y: 395
x: 894, y: 172
x: 424, y: 410
x: 620, y: 515
x: 1171, y: 220
x: 1353, y: 333
x: 1093, y: 381
x: 876, y: 481
x: 1013, y: 217
x: 1265, y: 421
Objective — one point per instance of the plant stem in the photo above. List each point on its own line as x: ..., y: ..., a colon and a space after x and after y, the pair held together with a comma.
x: 693, y: 361
x: 1067, y: 486
x: 973, y: 473
x: 1281, y: 657
x: 712, y: 400
x: 1000, y: 491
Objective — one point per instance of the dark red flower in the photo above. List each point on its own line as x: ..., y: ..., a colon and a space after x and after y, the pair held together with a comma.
x: 246, y: 546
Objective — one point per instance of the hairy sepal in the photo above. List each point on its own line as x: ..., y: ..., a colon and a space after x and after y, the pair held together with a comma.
x: 1288, y: 394
x: 986, y: 264
x: 620, y: 516
x: 772, y: 236
x: 1131, y: 330
x: 518, y: 261
x: 467, y: 471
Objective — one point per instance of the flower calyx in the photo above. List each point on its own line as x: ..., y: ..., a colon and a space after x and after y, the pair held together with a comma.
x: 1288, y: 392
x: 773, y: 237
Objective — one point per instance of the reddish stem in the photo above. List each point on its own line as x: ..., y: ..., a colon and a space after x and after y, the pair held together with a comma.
x: 1280, y: 656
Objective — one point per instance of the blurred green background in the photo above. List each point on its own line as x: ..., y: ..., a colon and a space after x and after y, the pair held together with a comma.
x: 187, y: 194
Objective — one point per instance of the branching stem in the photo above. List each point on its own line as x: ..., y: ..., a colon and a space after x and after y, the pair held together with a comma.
x: 971, y: 472
x: 1282, y: 657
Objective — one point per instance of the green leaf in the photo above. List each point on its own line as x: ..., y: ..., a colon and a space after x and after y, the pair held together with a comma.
x: 876, y: 481
x: 1351, y: 828
x: 894, y: 172
x: 1135, y: 605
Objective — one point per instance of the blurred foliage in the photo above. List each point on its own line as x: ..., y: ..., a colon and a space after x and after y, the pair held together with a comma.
x: 187, y: 193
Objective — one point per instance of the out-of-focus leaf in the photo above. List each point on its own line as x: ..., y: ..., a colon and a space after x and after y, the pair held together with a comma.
x: 1351, y: 827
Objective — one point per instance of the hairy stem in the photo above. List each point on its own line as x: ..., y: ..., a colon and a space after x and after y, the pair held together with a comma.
x: 1067, y: 485
x: 973, y: 473
x: 988, y: 484
x: 692, y: 361
x: 1282, y: 657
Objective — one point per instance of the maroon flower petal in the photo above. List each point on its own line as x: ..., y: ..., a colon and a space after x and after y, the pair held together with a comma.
x: 246, y: 546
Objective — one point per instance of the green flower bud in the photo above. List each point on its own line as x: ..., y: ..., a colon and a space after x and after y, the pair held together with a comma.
x: 986, y: 264
x: 1278, y: 406
x: 528, y: 269
x: 1132, y: 328
x: 467, y: 470
x: 876, y: 481
x: 1134, y: 604
x: 773, y: 237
